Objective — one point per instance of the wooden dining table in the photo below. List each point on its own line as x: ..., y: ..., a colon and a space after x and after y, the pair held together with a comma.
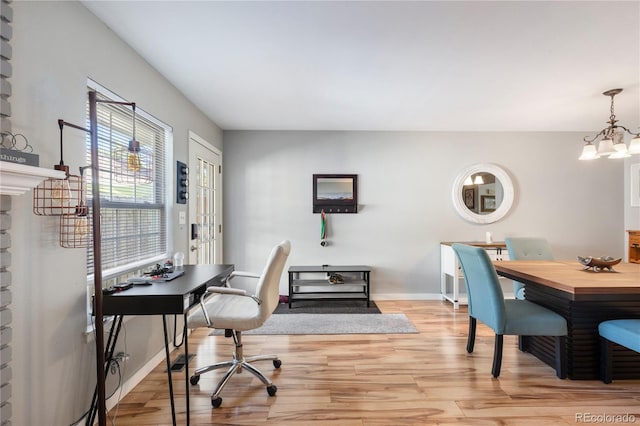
x: 584, y: 298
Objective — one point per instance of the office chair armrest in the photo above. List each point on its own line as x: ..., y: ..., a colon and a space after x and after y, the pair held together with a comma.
x: 241, y: 274
x: 227, y: 290
x: 234, y: 291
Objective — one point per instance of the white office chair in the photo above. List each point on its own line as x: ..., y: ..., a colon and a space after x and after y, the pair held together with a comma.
x: 236, y: 310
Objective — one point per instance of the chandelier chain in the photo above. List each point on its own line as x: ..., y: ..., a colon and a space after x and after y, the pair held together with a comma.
x: 612, y: 118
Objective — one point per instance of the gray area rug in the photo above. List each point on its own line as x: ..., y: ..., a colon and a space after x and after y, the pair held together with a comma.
x: 328, y: 307
x: 334, y: 324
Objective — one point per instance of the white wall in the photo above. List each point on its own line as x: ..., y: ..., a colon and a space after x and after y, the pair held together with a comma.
x: 405, y: 181
x: 632, y: 214
x: 56, y: 47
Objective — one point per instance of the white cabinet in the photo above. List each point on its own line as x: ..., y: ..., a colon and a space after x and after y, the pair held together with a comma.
x: 451, y: 278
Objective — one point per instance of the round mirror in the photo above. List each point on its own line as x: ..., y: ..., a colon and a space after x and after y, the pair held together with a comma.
x: 482, y: 193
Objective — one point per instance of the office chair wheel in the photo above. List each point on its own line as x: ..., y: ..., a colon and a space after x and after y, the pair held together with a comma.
x: 271, y: 390
x: 194, y: 380
x: 216, y: 402
x: 277, y: 363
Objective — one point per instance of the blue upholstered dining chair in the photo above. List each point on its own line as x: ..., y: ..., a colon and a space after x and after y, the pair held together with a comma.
x: 527, y: 249
x: 505, y: 316
x: 624, y: 332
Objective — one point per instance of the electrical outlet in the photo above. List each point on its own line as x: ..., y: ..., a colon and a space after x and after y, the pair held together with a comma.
x: 121, y: 356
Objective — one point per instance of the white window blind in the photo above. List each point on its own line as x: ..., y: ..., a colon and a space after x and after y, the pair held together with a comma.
x: 133, y: 215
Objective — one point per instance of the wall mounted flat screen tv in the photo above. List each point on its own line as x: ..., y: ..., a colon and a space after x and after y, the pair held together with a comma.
x: 335, y: 193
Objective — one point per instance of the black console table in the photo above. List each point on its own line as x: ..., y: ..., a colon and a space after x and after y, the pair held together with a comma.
x: 315, y: 286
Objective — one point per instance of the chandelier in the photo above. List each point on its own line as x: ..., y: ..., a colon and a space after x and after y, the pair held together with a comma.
x: 612, y: 144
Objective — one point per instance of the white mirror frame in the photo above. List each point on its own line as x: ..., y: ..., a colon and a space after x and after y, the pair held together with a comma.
x: 507, y: 186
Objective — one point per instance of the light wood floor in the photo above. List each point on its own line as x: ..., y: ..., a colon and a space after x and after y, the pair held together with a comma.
x: 383, y: 379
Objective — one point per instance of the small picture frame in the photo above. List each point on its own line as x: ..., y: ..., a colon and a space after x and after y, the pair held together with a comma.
x: 634, y: 184
x: 487, y: 203
x: 469, y: 198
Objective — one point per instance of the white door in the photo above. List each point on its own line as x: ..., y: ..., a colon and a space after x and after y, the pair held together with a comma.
x: 205, y: 202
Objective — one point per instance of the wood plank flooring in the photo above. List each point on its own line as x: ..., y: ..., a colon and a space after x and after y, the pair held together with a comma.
x: 383, y: 379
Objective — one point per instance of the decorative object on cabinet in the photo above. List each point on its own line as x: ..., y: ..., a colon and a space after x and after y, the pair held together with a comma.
x: 612, y: 144
x: 634, y: 246
x: 11, y: 150
x: 335, y: 193
x: 451, y: 274
x: 598, y: 264
x: 496, y: 184
x: 634, y: 184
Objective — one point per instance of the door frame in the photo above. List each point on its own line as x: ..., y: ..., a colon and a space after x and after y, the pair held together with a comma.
x: 196, y: 139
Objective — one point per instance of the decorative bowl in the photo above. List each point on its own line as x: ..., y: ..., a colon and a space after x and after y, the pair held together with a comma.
x: 599, y: 263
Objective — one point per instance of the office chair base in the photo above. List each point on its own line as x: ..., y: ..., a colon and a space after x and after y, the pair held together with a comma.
x: 236, y: 365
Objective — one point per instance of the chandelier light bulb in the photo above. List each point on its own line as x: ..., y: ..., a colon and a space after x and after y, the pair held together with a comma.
x: 81, y: 226
x: 60, y: 192
x: 133, y: 162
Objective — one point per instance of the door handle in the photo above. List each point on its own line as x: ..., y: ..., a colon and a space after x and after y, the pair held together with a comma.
x: 193, y: 248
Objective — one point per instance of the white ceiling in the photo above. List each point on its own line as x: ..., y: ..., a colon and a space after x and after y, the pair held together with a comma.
x: 359, y: 65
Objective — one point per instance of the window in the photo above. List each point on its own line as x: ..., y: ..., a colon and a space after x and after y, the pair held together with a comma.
x: 134, y: 215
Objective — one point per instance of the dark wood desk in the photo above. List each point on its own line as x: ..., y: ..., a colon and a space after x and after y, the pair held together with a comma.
x: 166, y: 298
x: 173, y: 297
x: 584, y: 298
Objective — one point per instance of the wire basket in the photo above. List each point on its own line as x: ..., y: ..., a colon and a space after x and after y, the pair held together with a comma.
x: 133, y: 166
x: 76, y: 230
x: 57, y: 197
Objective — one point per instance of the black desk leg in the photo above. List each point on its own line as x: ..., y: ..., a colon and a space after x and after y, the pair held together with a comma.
x: 116, y: 325
x: 167, y: 358
x: 186, y: 367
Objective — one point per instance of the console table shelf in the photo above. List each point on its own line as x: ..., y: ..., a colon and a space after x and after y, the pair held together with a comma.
x: 305, y: 284
x: 451, y: 273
